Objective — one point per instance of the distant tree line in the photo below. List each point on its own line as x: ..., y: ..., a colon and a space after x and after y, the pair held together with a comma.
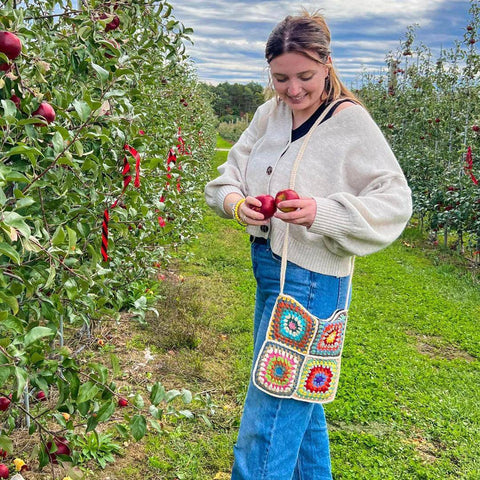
x: 232, y: 101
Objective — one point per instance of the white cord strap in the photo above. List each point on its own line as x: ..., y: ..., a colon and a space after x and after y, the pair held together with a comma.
x: 293, y: 174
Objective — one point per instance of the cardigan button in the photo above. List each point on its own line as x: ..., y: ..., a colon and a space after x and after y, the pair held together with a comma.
x: 269, y: 170
x: 264, y: 228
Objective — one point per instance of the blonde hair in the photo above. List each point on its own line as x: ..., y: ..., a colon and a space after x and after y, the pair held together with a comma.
x: 304, y: 34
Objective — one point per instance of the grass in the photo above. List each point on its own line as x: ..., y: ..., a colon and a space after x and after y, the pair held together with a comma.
x: 407, y: 405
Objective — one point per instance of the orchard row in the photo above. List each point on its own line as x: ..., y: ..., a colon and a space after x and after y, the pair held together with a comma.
x: 105, y: 137
x: 429, y: 111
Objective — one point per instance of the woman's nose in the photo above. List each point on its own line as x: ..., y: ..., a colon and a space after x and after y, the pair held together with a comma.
x: 294, y: 88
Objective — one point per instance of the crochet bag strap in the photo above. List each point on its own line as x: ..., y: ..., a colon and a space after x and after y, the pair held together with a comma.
x: 293, y: 175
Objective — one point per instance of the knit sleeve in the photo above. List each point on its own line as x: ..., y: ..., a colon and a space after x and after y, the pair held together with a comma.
x: 375, y: 205
x: 231, y: 177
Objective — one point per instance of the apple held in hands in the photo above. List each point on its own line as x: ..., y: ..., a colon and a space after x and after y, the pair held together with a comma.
x: 268, y: 208
x: 287, y: 194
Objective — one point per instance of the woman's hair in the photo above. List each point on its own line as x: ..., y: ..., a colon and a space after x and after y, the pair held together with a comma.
x: 305, y: 34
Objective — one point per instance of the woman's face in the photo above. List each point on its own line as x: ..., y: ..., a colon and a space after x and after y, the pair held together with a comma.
x: 300, y: 82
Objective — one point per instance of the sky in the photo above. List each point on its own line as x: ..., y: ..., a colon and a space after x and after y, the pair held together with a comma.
x: 229, y: 36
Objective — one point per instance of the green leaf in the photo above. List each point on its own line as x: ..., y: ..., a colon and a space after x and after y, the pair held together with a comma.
x: 21, y: 377
x: 13, y: 219
x: 91, y: 423
x: 138, y: 426
x: 51, y: 276
x: 187, y: 396
x: 4, y: 374
x: 102, y: 73
x: 72, y: 240
x: 87, y: 391
x: 59, y: 236
x: 106, y: 411
x: 9, y: 108
x: 36, y: 333
x: 11, y: 301
x: 6, y: 444
x: 57, y: 141
x: 157, y: 393
x: 171, y: 394
x: 82, y: 108
x: 10, y: 252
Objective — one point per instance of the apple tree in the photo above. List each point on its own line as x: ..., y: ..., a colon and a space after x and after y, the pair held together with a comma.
x: 105, y: 138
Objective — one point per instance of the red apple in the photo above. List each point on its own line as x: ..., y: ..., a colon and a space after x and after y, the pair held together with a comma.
x: 40, y: 396
x: 16, y: 100
x: 122, y: 402
x: 267, y: 208
x: 3, y: 453
x: 4, y: 403
x: 46, y: 111
x: 62, y: 448
x: 113, y: 24
x: 6, y: 67
x: 287, y: 194
x: 475, y: 128
x: 4, y: 473
x: 10, y: 45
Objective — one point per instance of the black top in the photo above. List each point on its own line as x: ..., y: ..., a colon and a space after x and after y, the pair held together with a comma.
x: 303, y: 129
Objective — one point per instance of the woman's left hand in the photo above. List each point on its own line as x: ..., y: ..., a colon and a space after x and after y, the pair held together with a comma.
x: 304, y: 213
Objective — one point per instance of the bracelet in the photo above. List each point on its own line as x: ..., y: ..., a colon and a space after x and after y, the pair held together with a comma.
x: 235, y: 214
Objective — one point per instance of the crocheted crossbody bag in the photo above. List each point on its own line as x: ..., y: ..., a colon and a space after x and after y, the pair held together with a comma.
x: 301, y: 355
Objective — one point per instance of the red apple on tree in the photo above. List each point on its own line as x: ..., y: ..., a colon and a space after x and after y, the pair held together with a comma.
x: 113, y: 24
x: 10, y: 45
x: 4, y: 403
x: 283, y: 195
x: 16, y: 100
x: 268, y: 208
x: 40, y: 396
x: 4, y: 473
x: 122, y: 402
x: 61, y: 448
x: 46, y: 111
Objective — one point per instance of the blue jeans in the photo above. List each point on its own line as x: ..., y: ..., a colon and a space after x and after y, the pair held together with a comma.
x: 285, y: 439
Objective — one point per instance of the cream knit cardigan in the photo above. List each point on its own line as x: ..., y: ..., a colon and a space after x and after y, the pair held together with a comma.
x: 363, y: 200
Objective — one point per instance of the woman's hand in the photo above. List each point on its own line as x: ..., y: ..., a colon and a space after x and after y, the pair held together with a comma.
x: 249, y: 216
x: 304, y: 213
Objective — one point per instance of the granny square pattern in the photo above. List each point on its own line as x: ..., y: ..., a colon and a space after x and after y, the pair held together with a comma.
x: 291, y: 324
x: 318, y: 379
x: 330, y: 335
x: 278, y: 369
x: 300, y: 357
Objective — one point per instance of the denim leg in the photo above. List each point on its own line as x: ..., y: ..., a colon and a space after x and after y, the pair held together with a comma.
x: 278, y: 437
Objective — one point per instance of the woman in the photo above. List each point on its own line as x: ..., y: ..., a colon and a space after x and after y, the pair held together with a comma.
x: 354, y: 200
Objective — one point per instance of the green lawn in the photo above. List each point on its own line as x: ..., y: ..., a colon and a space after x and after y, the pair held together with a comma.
x: 407, y: 405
